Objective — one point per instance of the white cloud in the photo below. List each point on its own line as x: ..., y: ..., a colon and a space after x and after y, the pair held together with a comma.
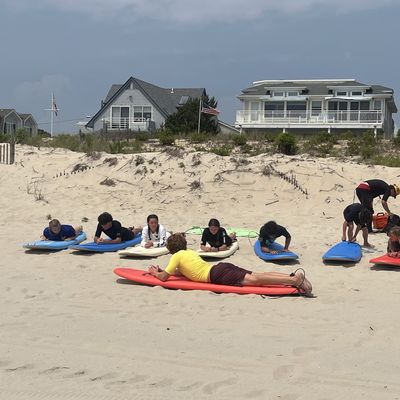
x: 196, y: 11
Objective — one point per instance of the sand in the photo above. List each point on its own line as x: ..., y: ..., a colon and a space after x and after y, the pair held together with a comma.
x: 70, y: 330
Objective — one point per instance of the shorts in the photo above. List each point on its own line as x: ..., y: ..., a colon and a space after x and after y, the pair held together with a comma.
x: 348, y: 215
x: 227, y: 274
x: 365, y: 198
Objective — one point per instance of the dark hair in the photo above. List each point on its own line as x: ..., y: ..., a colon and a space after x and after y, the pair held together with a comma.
x: 53, y: 223
x: 151, y: 216
x: 395, y: 231
x: 365, y: 216
x: 270, y: 227
x: 176, y: 242
x: 104, y: 218
x: 214, y: 222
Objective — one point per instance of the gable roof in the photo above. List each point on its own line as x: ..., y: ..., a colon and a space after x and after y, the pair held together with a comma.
x: 26, y: 116
x: 166, y: 100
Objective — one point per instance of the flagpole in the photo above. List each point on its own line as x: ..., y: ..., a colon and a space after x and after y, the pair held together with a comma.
x: 198, y: 124
x: 51, y: 115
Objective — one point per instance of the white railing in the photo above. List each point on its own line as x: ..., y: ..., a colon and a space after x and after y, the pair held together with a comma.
x: 308, y: 117
x: 7, y: 153
x: 123, y: 123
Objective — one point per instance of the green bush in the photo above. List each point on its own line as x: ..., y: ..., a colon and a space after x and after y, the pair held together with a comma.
x: 200, y: 137
x: 166, y: 138
x: 396, y: 141
x: 239, y: 139
x: 222, y: 150
x: 367, y: 151
x: 286, y: 143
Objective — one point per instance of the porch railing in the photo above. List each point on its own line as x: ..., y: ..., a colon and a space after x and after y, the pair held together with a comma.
x: 124, y: 123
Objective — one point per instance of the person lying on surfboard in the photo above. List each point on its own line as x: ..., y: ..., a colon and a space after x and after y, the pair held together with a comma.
x: 215, y: 238
x: 269, y: 232
x: 57, y: 232
x: 393, y: 248
x: 154, y: 234
x: 360, y: 215
x: 188, y: 263
x: 114, y: 230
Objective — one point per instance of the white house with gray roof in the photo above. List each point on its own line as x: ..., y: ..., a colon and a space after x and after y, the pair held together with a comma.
x: 140, y: 106
x: 11, y: 121
x: 319, y: 104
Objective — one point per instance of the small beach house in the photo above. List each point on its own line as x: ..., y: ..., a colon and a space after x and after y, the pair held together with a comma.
x: 11, y: 121
x: 140, y: 106
x: 318, y: 104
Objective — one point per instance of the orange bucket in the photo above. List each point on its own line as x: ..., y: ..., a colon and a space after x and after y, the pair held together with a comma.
x: 380, y: 220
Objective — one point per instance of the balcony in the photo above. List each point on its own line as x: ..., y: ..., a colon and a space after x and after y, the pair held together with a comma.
x: 309, y: 119
x: 126, y: 123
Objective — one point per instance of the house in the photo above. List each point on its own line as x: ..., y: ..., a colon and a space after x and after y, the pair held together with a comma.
x: 11, y: 121
x: 318, y: 104
x: 140, y: 106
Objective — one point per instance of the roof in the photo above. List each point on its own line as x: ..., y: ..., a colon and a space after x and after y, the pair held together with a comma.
x: 166, y: 100
x: 5, y: 111
x: 25, y: 116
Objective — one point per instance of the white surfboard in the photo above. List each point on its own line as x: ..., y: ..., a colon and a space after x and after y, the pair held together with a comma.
x: 139, y: 251
x: 219, y: 254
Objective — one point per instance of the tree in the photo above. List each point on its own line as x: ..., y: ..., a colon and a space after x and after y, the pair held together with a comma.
x: 186, y: 119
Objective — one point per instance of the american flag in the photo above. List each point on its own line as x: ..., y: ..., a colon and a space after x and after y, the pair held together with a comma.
x: 209, y: 110
x: 55, y: 109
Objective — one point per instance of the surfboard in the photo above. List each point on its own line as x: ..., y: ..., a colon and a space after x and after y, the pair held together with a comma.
x: 93, y: 247
x: 240, y: 232
x: 54, y: 245
x: 344, y: 251
x: 281, y: 255
x: 219, y: 254
x: 139, y: 251
x: 175, y: 282
x: 386, y: 260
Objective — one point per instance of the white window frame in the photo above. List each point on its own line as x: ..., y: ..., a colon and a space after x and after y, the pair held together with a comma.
x: 341, y: 93
x: 120, y: 125
x: 292, y: 93
x: 357, y: 93
x: 275, y: 93
x: 141, y: 119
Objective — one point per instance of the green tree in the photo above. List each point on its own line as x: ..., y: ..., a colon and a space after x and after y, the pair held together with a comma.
x: 185, y: 120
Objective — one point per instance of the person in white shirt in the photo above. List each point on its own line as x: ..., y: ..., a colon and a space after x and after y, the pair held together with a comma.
x: 154, y: 234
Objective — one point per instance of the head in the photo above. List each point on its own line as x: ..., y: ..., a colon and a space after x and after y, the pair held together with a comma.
x: 152, y: 222
x: 55, y: 226
x: 394, y: 234
x: 365, y: 217
x: 271, y: 228
x: 213, y: 225
x: 394, y: 190
x: 176, y: 242
x: 105, y: 220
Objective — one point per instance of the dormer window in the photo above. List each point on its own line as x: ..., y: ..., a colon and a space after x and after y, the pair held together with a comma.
x: 356, y: 93
x: 341, y: 93
x: 279, y: 94
x: 292, y: 93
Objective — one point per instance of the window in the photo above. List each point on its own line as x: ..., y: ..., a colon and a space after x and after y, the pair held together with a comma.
x: 357, y: 93
x: 341, y: 93
x: 10, y: 128
x: 377, y: 105
x: 119, y: 117
x: 296, y: 108
x: 279, y: 94
x: 141, y: 113
x: 316, y: 107
x: 274, y: 109
x: 292, y: 93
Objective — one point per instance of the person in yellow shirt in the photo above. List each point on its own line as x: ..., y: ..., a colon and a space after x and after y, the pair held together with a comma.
x: 189, y: 264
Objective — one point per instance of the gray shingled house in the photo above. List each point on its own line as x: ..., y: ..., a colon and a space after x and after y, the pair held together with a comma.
x: 11, y: 121
x: 319, y: 104
x: 139, y: 105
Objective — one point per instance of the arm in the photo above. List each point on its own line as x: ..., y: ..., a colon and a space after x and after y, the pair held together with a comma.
x: 145, y: 237
x: 108, y: 241
x: 344, y: 228
x: 287, y: 242
x: 98, y: 233
x: 358, y: 229
x: 158, y: 273
x: 385, y: 206
x: 204, y: 241
x: 226, y: 240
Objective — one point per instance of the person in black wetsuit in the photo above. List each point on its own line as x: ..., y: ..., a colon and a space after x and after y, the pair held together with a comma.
x: 356, y: 214
x: 113, y: 229
x: 269, y: 233
x: 215, y: 238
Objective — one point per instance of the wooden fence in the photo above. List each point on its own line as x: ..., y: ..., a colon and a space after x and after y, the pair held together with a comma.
x: 7, y: 153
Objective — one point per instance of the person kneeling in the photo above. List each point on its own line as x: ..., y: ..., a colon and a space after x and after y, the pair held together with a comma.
x: 189, y: 264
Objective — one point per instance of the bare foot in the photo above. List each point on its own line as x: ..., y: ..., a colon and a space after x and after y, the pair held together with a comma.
x: 303, y: 283
x: 369, y: 246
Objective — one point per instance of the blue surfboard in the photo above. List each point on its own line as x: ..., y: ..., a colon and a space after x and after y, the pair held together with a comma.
x: 54, y: 245
x: 93, y: 247
x: 281, y: 255
x: 344, y: 251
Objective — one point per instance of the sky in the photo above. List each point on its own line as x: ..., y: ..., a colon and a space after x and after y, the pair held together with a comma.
x: 78, y: 48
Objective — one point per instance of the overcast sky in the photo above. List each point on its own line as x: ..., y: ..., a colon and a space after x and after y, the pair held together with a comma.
x: 78, y: 48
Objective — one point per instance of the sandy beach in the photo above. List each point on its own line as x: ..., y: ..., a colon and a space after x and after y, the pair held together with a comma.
x: 70, y: 329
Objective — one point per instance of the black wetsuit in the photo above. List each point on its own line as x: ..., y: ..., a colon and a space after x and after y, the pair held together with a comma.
x: 266, y: 238
x: 351, y: 213
x: 217, y: 240
x: 116, y: 231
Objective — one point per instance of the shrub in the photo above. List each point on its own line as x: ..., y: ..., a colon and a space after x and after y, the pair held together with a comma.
x: 200, y: 137
x: 286, y: 143
x: 222, y: 150
x: 239, y: 139
x: 166, y: 139
x: 396, y: 141
x: 367, y: 151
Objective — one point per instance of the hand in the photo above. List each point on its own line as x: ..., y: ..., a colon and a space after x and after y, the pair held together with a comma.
x: 273, y: 252
x: 148, y: 245
x: 343, y: 238
x: 214, y: 249
x: 394, y: 254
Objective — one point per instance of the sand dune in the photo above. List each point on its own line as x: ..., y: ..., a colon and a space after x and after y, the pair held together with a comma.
x: 71, y: 330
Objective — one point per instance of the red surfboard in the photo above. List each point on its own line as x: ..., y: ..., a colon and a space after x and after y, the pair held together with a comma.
x: 386, y: 260
x: 175, y: 282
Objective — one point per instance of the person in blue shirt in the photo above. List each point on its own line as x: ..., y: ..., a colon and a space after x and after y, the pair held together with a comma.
x: 57, y: 232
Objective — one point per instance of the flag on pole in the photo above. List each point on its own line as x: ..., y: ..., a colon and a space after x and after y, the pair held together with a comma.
x: 55, y: 109
x: 209, y: 110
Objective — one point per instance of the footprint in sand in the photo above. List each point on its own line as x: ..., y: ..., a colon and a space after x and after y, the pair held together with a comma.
x: 52, y: 370
x: 211, y: 388
x: 20, y: 368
